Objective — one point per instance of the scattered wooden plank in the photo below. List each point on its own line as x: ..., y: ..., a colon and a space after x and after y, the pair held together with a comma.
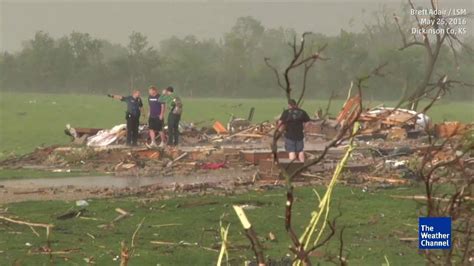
x: 423, y: 197
x: 177, y: 159
x: 25, y: 223
x: 58, y: 252
x: 311, y: 175
x: 28, y: 192
x: 165, y: 225
x: 219, y: 128
x: 242, y: 132
x: 386, y: 180
x: 122, y: 215
x: 48, y: 227
x: 166, y: 243
x: 182, y: 243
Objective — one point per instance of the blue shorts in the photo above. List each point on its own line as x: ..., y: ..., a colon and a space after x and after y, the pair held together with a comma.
x: 294, y: 145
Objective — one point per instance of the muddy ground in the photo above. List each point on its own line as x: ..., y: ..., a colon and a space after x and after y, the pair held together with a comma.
x: 75, y: 188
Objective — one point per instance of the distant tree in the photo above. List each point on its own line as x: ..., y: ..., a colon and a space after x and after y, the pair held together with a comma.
x: 9, y: 72
x: 241, y: 54
x: 142, y: 59
x: 111, y: 51
x: 38, y: 58
x: 190, y: 64
x: 233, y: 65
x: 435, y: 36
x: 64, y: 68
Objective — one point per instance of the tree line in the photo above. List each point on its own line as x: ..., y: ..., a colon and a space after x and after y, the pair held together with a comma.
x: 232, y: 66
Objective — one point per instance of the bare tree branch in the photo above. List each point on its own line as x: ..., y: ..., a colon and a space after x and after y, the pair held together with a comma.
x: 297, y: 61
x: 442, y: 31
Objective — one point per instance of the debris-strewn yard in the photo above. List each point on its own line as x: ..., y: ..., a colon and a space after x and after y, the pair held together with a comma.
x: 228, y: 156
x: 185, y: 230
x: 153, y: 205
x: 36, y: 118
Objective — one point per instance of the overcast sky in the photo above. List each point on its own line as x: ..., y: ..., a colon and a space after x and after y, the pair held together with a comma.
x: 115, y: 20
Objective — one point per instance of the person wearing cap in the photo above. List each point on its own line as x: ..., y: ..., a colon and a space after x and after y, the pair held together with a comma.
x: 155, y: 117
x: 132, y: 115
x: 175, y: 107
x: 292, y: 120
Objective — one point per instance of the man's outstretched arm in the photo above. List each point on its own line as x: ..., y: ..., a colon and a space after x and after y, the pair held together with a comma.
x: 116, y: 97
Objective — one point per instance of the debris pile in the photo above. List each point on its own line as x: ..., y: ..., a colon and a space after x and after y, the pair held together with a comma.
x: 397, y: 122
x: 390, y: 140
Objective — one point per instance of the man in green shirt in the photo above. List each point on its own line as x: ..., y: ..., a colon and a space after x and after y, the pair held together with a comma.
x: 175, y: 109
x: 166, y: 99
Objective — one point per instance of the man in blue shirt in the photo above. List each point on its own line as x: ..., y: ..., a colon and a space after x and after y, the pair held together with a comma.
x: 132, y: 115
x: 155, y: 117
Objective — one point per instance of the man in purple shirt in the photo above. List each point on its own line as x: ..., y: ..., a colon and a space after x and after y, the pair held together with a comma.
x: 155, y: 116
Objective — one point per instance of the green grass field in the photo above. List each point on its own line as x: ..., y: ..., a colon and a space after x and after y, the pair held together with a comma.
x: 28, y: 120
x: 373, y: 223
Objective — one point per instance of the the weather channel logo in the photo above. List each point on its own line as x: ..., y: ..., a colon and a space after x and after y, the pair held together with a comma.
x: 434, y: 232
